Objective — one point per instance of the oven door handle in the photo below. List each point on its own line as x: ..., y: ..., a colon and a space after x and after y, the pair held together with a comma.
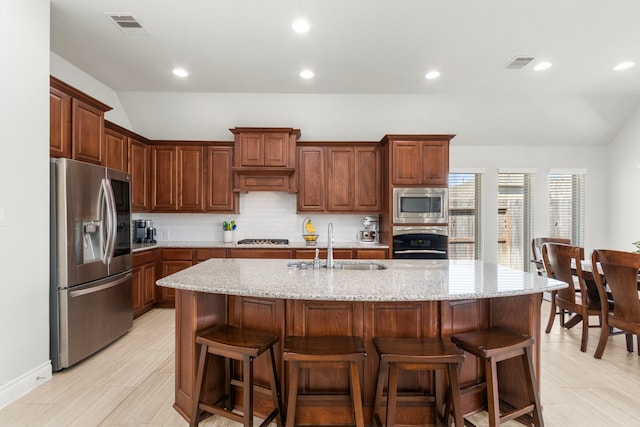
x: 420, y: 251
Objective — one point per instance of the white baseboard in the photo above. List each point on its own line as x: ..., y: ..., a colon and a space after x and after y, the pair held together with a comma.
x: 24, y: 384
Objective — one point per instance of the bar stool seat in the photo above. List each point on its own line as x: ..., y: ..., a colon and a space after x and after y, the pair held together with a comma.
x: 309, y: 352
x: 233, y: 343
x: 418, y: 354
x: 494, y: 345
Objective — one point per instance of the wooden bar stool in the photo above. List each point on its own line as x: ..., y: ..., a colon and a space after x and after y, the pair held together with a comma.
x: 494, y: 345
x: 418, y: 354
x: 312, y: 352
x: 244, y: 345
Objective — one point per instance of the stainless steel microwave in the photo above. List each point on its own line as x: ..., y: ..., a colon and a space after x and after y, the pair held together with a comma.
x: 420, y: 206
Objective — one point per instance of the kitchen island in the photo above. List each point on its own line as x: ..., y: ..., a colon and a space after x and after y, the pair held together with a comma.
x: 409, y: 298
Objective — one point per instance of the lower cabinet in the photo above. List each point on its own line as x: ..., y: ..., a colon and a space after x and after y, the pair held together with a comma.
x: 172, y: 261
x: 143, y: 282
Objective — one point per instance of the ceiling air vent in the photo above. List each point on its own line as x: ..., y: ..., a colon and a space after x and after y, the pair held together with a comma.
x: 127, y: 23
x: 519, y: 62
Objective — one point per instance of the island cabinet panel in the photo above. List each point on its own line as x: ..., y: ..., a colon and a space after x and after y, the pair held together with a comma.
x: 199, y: 311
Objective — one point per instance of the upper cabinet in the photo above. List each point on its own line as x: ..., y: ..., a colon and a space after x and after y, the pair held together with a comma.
x: 116, y: 150
x: 264, y: 159
x: 219, y: 195
x: 140, y: 172
x: 419, y: 159
x: 76, y: 124
x: 342, y: 178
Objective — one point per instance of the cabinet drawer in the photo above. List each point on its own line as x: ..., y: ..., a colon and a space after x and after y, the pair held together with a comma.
x: 204, y: 254
x: 177, y: 254
x: 371, y: 253
x: 145, y: 257
x: 261, y: 253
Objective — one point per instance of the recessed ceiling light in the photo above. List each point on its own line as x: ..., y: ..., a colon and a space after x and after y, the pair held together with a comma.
x: 300, y: 26
x: 432, y: 75
x: 180, y: 72
x: 542, y: 66
x: 624, y: 66
x: 306, y: 74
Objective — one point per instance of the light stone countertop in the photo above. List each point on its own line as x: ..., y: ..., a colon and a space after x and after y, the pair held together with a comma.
x: 218, y: 244
x: 403, y: 280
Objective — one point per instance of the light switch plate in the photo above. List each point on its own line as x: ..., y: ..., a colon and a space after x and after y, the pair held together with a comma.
x: 1, y: 216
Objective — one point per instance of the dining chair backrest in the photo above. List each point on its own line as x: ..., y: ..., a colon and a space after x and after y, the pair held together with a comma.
x: 620, y: 271
x: 560, y: 260
x: 536, y: 245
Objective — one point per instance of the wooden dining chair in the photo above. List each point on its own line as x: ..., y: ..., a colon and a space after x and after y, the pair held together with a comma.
x: 536, y: 250
x: 620, y: 273
x: 560, y: 261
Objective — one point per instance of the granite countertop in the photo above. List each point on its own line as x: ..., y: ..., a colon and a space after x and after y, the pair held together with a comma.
x: 402, y: 280
x: 218, y: 244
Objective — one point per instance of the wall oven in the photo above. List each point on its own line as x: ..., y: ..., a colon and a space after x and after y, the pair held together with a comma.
x: 420, y: 206
x: 421, y: 242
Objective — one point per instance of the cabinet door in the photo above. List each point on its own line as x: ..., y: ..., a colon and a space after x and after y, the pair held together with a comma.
x: 368, y: 179
x: 252, y: 149
x: 276, y: 149
x: 168, y: 268
x: 116, y: 150
x: 136, y: 288
x: 406, y: 164
x: 341, y: 169
x: 163, y: 179
x: 139, y: 167
x: 311, y: 179
x: 434, y: 156
x: 149, y: 284
x: 218, y: 182
x: 371, y: 253
x: 261, y: 253
x: 87, y: 142
x: 189, y: 178
x: 59, y: 123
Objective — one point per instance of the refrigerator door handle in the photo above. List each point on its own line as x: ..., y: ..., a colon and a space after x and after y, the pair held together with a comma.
x: 94, y: 289
x: 111, y: 219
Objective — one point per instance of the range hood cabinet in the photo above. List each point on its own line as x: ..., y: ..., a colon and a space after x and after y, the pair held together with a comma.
x: 264, y: 159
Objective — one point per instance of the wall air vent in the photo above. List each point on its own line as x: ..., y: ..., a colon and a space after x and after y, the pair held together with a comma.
x: 127, y: 23
x: 519, y: 62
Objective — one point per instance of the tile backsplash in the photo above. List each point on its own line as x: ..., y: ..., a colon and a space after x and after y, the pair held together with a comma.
x: 264, y: 215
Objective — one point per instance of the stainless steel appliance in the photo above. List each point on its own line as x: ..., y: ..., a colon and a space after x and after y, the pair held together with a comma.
x: 90, y: 273
x: 423, y: 242
x: 144, y: 231
x: 370, y: 232
x: 420, y: 206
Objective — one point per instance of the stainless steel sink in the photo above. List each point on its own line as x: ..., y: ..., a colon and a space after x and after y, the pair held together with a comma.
x: 340, y: 265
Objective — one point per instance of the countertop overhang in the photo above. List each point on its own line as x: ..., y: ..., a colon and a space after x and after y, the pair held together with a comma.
x: 402, y: 280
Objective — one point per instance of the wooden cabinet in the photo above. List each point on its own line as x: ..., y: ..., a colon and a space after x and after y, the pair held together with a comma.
x: 172, y: 261
x: 116, y: 150
x: 353, y: 179
x: 264, y: 159
x: 176, y: 178
x: 59, y: 123
x: 419, y: 159
x: 343, y: 254
x: 144, y: 282
x: 76, y: 124
x: 261, y: 253
x: 140, y: 172
x: 218, y: 186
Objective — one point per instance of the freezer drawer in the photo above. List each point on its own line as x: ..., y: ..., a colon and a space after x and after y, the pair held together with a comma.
x: 89, y: 317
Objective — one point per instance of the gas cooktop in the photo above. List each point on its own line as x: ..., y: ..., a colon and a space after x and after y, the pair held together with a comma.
x: 263, y: 242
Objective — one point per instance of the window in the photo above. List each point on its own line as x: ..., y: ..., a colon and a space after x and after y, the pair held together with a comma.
x: 464, y: 216
x: 515, y: 219
x: 566, y: 207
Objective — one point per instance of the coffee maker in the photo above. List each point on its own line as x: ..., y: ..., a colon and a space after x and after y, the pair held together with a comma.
x: 370, y: 232
x: 144, y: 231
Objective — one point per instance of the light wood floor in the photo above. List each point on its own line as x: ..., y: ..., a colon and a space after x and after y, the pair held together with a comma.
x: 131, y: 383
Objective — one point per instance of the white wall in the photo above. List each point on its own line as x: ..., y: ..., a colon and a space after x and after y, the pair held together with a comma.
x: 623, y: 200
x: 24, y: 196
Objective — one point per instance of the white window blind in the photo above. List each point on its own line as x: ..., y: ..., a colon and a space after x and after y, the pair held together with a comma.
x: 464, y: 216
x: 515, y: 219
x: 566, y: 207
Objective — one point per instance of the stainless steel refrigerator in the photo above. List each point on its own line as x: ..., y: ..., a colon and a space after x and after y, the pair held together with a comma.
x: 90, y: 286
